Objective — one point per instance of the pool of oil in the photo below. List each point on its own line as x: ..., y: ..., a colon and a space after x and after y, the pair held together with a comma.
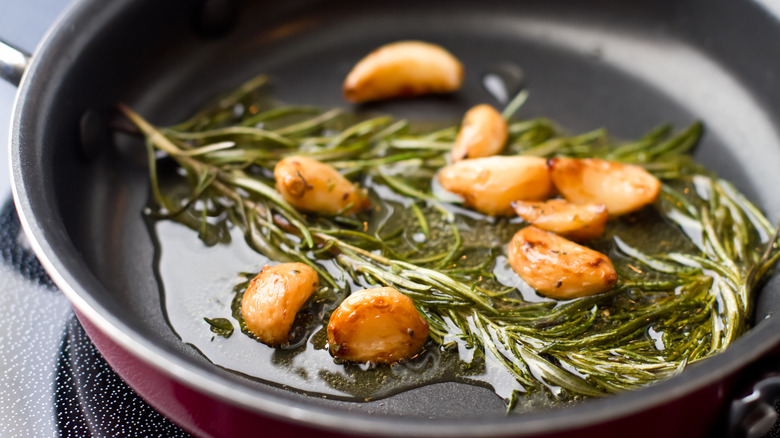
x: 199, y: 280
x: 205, y: 288
x: 200, y: 276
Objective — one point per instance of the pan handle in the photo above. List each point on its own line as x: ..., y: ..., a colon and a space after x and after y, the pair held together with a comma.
x: 754, y: 414
x: 13, y: 62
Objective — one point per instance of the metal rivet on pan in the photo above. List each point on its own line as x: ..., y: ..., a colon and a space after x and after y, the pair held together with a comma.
x: 504, y: 81
x: 94, y: 133
x: 214, y: 18
x: 759, y: 421
x: 597, y: 53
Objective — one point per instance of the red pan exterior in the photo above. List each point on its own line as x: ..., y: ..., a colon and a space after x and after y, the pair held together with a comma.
x: 691, y: 415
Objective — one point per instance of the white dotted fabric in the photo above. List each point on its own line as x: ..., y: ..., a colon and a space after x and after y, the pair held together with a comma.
x: 32, y: 323
x: 91, y: 400
x: 53, y: 381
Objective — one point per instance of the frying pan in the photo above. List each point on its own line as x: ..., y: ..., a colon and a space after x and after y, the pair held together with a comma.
x: 80, y: 188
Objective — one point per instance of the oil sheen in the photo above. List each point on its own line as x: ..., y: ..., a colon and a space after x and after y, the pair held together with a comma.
x: 200, y: 280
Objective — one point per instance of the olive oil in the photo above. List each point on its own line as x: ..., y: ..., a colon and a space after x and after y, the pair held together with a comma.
x: 216, y: 273
x: 688, y: 265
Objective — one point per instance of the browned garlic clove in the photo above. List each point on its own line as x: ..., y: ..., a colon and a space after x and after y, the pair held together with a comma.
x: 575, y: 221
x: 559, y: 268
x: 274, y: 297
x: 401, y: 69
x: 316, y: 187
x: 482, y: 134
x: 489, y: 185
x: 622, y: 188
x: 379, y: 325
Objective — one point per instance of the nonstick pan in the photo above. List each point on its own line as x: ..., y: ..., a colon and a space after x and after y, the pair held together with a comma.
x: 80, y: 188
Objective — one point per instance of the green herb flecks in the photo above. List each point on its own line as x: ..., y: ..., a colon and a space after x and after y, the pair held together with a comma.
x: 220, y: 326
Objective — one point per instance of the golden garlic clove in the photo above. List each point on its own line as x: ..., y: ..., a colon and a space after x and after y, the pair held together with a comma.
x: 622, y: 188
x: 401, y: 69
x: 379, y: 325
x: 489, y: 185
x: 316, y: 187
x: 575, y: 221
x: 274, y: 297
x: 559, y: 268
x: 482, y: 134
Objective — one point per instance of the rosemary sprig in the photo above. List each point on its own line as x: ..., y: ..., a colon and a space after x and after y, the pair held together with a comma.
x: 671, y: 307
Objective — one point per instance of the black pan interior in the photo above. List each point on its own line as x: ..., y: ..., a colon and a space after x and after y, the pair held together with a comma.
x: 627, y: 66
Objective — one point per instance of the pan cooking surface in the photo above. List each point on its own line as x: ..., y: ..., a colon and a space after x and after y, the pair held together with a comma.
x: 583, y: 76
x: 608, y: 65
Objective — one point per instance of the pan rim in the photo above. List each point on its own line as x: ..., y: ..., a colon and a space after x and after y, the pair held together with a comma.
x: 746, y: 350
